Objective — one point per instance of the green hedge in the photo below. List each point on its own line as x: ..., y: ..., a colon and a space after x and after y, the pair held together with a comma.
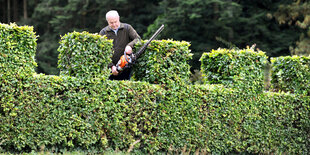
x: 232, y: 67
x: 17, y: 50
x: 65, y: 112
x: 60, y: 112
x: 291, y: 74
x: 82, y: 54
x: 163, y: 62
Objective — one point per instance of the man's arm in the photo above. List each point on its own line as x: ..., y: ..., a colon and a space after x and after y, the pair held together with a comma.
x: 134, y: 36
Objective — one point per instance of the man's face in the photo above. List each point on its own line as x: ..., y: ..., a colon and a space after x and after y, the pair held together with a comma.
x: 113, y: 22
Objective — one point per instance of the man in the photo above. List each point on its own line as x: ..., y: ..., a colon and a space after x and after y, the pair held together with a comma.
x: 124, y: 38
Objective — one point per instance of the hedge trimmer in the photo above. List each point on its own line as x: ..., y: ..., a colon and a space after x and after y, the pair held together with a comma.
x: 128, y: 60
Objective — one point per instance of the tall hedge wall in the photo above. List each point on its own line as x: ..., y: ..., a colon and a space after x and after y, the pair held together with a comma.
x: 163, y: 62
x: 236, y: 68
x: 291, y: 74
x: 17, y: 50
x: 57, y: 113
x: 60, y: 112
x: 84, y: 55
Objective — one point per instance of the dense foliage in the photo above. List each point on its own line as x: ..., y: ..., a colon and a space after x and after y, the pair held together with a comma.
x: 57, y: 113
x: 17, y: 50
x: 297, y: 13
x: 235, y: 68
x: 84, y: 55
x: 291, y: 74
x: 163, y: 62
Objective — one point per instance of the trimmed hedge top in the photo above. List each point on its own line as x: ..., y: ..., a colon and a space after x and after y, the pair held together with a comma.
x: 291, y: 74
x: 17, y: 50
x: 163, y: 62
x: 82, y: 54
x: 230, y: 67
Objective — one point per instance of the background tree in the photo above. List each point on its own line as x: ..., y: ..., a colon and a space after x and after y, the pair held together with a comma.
x: 55, y: 18
x: 297, y: 14
x: 206, y: 24
x: 239, y: 23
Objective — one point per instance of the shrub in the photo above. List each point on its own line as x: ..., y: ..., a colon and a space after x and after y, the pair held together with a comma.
x: 163, y: 62
x: 236, y: 68
x: 81, y: 55
x: 291, y: 74
x: 84, y: 55
x: 57, y: 113
x: 17, y: 50
x: 67, y: 113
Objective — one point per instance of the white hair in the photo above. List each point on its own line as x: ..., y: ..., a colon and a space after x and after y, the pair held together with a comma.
x: 112, y: 13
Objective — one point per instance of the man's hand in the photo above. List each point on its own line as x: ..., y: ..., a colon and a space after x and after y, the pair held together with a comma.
x: 128, y: 50
x: 114, y: 71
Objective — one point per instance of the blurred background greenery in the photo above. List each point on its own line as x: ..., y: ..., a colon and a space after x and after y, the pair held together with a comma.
x: 278, y: 27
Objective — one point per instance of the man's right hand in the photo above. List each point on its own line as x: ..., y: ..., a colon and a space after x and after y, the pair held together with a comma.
x: 114, y: 71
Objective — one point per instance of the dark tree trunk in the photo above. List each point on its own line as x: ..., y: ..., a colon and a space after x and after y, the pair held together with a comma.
x: 9, y: 11
x: 25, y: 10
x: 15, y: 11
x: 3, y: 13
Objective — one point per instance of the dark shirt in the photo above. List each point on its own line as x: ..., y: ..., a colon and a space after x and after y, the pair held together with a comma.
x: 126, y: 35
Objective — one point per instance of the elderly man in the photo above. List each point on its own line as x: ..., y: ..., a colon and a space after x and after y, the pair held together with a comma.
x: 124, y: 38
